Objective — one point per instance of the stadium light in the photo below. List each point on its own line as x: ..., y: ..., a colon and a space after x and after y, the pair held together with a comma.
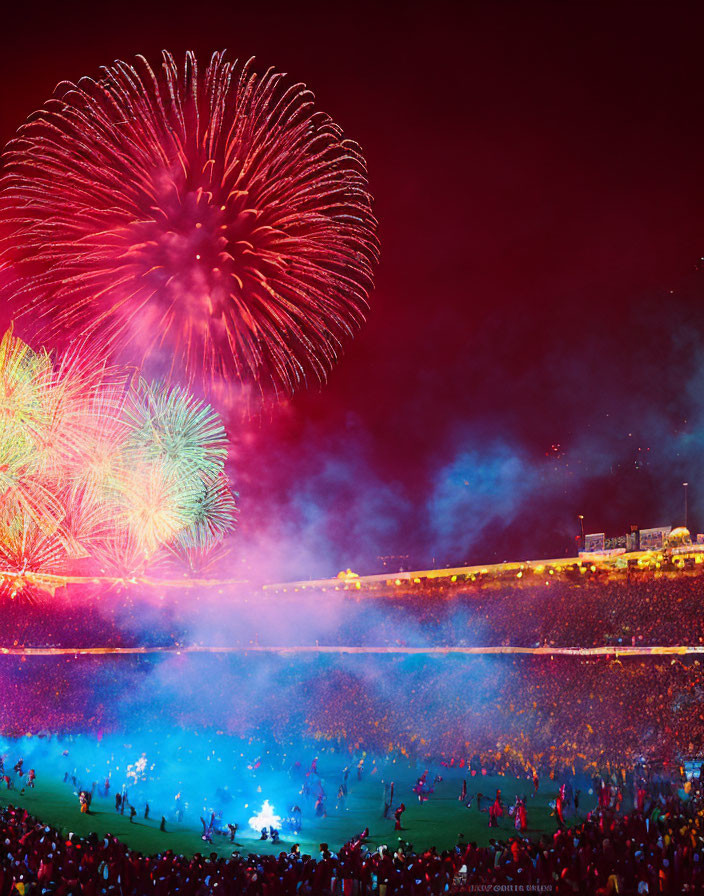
x: 685, y: 484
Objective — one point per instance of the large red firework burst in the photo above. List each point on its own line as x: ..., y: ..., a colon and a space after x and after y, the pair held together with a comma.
x: 207, y: 222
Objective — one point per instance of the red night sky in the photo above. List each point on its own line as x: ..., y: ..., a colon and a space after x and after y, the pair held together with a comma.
x: 538, y: 178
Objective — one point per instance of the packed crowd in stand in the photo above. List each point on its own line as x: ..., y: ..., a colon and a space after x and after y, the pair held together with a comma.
x: 626, y: 608
x: 564, y: 707
x: 637, y: 609
x: 537, y: 710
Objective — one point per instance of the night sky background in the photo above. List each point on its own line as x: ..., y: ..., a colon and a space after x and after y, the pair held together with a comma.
x: 534, y: 346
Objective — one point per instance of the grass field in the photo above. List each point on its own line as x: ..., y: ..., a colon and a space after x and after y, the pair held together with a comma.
x: 437, y: 822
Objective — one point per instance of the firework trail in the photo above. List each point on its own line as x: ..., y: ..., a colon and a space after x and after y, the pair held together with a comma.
x: 26, y: 381
x: 102, y: 472
x: 172, y: 489
x: 170, y: 426
x: 207, y: 221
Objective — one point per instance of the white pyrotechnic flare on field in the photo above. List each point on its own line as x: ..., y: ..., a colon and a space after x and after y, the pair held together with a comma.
x: 138, y: 771
x: 265, y: 819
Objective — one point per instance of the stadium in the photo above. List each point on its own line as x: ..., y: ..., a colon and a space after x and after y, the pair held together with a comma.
x: 294, y: 706
x: 241, y: 350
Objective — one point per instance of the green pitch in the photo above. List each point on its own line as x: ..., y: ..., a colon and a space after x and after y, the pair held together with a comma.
x: 437, y: 822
